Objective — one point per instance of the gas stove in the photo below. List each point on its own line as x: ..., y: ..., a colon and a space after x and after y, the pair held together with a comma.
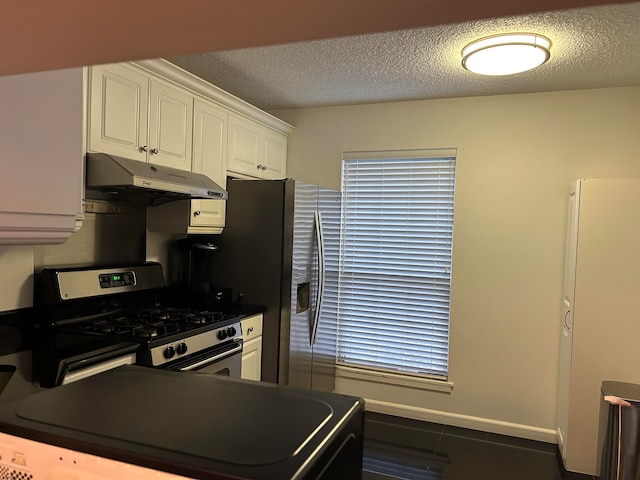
x: 164, y: 333
x: 121, y: 307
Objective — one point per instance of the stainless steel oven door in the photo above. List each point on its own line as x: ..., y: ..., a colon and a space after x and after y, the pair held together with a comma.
x: 221, y: 360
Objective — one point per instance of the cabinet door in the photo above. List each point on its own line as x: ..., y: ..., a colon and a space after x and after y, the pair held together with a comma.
x: 566, y: 329
x: 170, y: 125
x: 118, y: 118
x: 42, y: 157
x: 251, y: 357
x: 244, y: 146
x: 209, y: 158
x: 274, y: 157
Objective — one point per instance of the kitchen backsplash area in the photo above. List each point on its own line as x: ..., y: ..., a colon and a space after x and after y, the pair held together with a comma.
x: 111, y: 233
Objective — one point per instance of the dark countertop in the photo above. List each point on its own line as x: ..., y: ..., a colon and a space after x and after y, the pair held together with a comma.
x: 16, y: 330
x: 242, y: 309
x: 191, y: 424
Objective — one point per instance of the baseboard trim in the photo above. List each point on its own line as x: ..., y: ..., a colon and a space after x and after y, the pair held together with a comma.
x: 464, y: 421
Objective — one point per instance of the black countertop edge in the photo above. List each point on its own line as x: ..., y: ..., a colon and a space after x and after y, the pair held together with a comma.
x: 16, y: 330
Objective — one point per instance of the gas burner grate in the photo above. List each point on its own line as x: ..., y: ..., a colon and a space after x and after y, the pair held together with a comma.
x: 153, y: 323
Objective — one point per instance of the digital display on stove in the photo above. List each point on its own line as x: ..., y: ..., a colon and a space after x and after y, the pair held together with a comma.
x: 109, y: 280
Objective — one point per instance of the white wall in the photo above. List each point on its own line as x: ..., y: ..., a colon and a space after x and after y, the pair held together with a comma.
x: 517, y: 155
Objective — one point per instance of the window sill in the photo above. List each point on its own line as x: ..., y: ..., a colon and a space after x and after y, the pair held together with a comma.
x: 394, y: 379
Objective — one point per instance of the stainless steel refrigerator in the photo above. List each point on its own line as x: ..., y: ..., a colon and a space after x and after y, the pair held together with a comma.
x: 279, y: 248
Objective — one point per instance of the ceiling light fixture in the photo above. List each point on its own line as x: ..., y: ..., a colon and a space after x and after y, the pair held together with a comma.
x: 506, y: 54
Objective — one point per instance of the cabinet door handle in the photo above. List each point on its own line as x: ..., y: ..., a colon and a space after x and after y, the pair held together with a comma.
x: 154, y: 150
x: 196, y: 213
x: 250, y: 329
x: 259, y: 167
x: 264, y: 167
x: 144, y: 149
x: 565, y: 320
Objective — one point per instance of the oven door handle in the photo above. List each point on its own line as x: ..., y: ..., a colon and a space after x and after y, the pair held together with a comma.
x: 226, y: 353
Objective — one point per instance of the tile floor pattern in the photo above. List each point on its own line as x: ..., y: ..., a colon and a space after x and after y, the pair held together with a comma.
x: 397, y: 448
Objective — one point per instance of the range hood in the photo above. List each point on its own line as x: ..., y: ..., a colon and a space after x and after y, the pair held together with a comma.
x: 123, y: 176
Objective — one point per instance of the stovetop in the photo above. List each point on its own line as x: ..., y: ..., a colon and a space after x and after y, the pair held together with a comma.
x: 151, y: 326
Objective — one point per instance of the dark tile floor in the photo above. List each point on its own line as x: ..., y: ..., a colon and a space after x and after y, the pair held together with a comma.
x: 398, y: 448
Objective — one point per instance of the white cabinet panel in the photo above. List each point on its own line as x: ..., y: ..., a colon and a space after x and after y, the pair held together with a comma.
x: 209, y: 158
x: 255, y: 150
x: 139, y: 117
x: 170, y: 126
x: 41, y: 153
x: 119, y: 98
x: 275, y: 154
x: 252, y: 347
x: 251, y: 358
x: 244, y: 146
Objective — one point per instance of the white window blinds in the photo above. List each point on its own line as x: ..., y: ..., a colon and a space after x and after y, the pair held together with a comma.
x: 395, y: 261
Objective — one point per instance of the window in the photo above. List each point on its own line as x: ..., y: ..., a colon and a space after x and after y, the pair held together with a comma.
x: 395, y: 261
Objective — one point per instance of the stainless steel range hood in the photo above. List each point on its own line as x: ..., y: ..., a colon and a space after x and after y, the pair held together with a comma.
x: 122, y: 176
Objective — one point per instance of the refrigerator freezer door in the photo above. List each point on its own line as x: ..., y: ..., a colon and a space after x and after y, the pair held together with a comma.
x: 324, y: 346
x: 305, y: 279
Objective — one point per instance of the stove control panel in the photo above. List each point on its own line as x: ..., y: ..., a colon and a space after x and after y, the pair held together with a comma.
x: 119, y: 279
x: 193, y: 344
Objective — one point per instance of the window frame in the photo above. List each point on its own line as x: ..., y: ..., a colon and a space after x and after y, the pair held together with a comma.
x: 436, y: 379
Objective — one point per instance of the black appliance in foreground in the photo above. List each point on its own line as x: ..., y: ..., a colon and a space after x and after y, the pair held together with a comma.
x: 97, y: 318
x: 196, y: 425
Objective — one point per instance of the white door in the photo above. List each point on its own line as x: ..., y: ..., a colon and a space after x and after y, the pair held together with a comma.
x: 566, y: 335
x: 209, y: 158
x: 274, y: 157
x: 251, y: 357
x: 118, y: 116
x: 244, y: 146
x: 170, y: 126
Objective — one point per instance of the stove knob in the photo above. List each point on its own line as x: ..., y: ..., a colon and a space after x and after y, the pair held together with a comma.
x: 222, y: 334
x: 169, y: 352
x: 232, y: 331
x: 182, y: 348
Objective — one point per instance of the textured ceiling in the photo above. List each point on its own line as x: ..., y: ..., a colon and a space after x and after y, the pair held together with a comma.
x: 592, y: 47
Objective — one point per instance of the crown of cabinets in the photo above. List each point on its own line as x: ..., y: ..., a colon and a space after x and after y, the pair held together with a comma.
x: 154, y: 112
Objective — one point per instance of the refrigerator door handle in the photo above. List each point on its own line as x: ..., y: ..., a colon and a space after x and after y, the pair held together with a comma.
x: 317, y: 221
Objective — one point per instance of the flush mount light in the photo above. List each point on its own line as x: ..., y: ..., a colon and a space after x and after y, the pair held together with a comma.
x: 506, y: 54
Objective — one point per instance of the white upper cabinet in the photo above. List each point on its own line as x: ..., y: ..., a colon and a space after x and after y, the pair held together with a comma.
x: 170, y: 125
x: 255, y: 150
x: 155, y: 112
x: 119, y: 102
x: 139, y: 117
x: 41, y: 154
x: 210, y: 158
x: 274, y: 158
